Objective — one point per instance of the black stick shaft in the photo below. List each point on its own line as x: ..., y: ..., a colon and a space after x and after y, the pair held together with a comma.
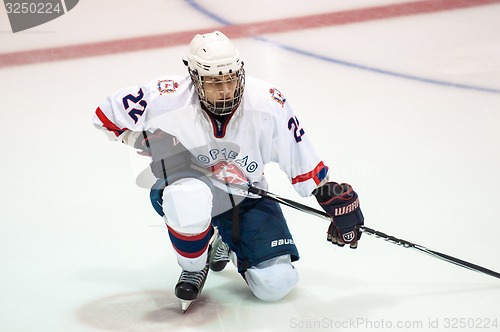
x: 370, y: 231
x: 288, y: 202
x: 458, y: 261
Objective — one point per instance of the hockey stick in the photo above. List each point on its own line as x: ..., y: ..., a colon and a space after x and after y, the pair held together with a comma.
x: 370, y: 231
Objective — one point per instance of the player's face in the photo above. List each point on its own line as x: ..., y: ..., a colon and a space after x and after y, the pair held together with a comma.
x: 220, y: 89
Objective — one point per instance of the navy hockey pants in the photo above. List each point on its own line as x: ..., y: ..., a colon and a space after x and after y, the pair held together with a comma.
x: 256, y: 233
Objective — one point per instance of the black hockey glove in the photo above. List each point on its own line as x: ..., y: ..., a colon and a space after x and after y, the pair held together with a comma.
x: 342, y: 203
x: 168, y: 154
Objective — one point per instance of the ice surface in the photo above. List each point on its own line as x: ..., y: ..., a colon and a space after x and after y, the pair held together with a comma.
x: 81, y: 249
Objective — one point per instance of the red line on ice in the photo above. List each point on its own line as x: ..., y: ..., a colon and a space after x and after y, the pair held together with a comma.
x: 235, y: 31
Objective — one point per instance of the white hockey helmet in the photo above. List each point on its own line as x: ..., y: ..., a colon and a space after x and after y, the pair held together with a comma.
x: 213, y: 58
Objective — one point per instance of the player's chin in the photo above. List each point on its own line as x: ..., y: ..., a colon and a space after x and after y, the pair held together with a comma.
x: 225, y: 105
x: 224, y: 102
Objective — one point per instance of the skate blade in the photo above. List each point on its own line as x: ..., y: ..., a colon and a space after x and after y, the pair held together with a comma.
x: 185, y: 305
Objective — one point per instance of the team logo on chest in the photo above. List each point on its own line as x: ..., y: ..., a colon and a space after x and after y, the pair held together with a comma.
x: 229, y: 172
x: 167, y: 86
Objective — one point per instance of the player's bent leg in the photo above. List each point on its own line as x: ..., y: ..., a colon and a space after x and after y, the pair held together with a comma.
x: 271, y: 280
x: 187, y: 204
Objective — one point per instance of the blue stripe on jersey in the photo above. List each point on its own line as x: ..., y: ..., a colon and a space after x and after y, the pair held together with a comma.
x: 190, y: 246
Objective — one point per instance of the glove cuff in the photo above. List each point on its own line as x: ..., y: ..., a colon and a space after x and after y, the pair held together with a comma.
x: 333, y: 190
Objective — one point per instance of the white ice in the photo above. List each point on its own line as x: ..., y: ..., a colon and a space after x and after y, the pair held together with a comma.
x: 81, y: 249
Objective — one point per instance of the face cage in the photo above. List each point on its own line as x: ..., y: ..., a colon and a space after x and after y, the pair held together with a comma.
x: 225, y: 106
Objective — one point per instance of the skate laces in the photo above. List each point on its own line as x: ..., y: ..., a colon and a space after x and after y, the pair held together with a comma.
x: 195, y: 278
x: 222, y: 252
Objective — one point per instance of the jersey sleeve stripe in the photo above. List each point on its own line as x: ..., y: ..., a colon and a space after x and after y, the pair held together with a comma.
x: 317, y: 174
x: 108, y: 124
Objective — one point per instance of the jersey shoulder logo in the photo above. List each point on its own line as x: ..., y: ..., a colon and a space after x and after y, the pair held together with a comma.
x: 277, y: 96
x: 167, y: 86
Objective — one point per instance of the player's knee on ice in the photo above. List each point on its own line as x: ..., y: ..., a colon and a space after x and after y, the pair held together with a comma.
x: 271, y: 280
x: 187, y: 204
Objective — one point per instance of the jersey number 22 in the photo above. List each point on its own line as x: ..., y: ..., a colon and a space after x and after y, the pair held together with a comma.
x: 138, y: 106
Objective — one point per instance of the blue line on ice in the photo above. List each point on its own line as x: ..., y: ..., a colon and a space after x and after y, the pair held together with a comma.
x: 296, y: 50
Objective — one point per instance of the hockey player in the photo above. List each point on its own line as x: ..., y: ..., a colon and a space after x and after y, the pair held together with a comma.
x: 209, y: 134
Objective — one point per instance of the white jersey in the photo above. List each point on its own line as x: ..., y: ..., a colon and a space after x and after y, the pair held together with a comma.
x: 263, y: 129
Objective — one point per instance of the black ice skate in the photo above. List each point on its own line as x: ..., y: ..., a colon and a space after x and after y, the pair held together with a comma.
x: 189, y: 286
x: 219, y: 256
